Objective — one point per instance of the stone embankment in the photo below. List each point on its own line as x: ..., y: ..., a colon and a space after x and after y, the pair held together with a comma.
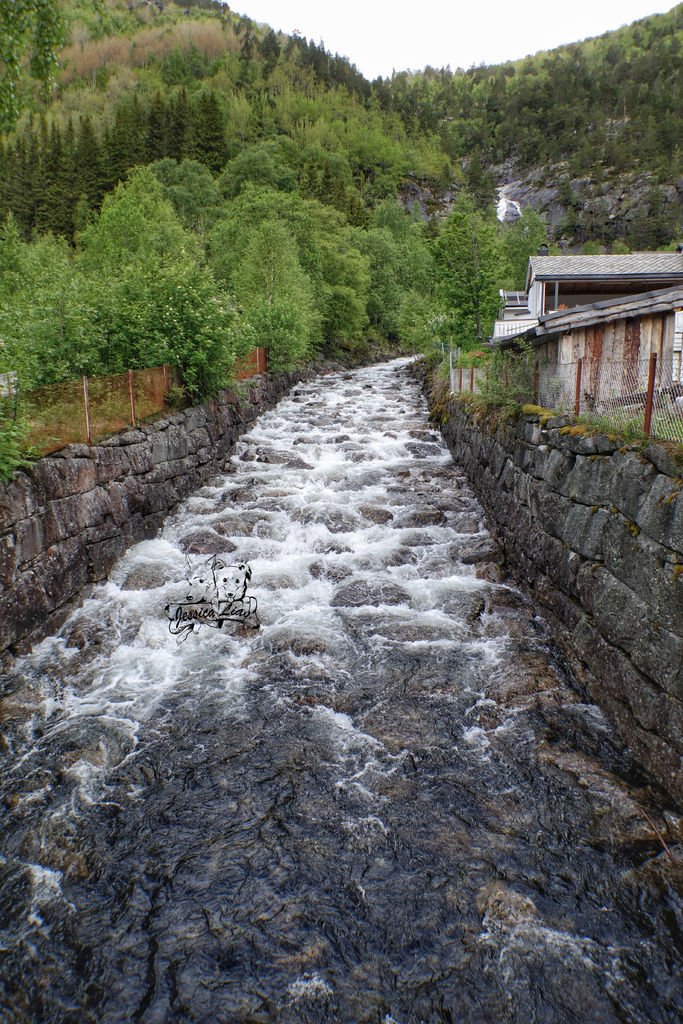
x: 66, y: 519
x: 594, y: 530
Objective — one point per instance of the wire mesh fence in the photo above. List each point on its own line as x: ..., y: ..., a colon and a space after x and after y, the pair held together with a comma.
x: 89, y: 409
x: 640, y: 396
x: 253, y: 363
x: 466, y: 379
x: 643, y: 396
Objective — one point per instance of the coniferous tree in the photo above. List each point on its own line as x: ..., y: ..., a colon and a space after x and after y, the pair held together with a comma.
x: 180, y: 130
x: 156, y: 138
x: 88, y: 165
x: 209, y: 133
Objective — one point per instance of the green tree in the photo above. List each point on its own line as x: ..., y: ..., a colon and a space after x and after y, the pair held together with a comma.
x: 346, y: 276
x: 519, y: 241
x: 48, y: 313
x: 157, y: 300
x: 276, y: 296
x: 191, y: 189
x: 468, y: 266
x: 264, y: 164
x: 209, y: 132
x: 27, y: 26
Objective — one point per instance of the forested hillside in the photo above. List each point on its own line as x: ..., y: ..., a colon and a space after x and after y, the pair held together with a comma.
x: 591, y: 132
x: 194, y: 184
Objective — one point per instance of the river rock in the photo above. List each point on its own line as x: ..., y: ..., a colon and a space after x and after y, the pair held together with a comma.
x: 145, y: 577
x: 484, y: 550
x: 427, y: 516
x: 466, y: 522
x: 502, y: 907
x: 333, y: 573
x: 335, y: 520
x: 423, y: 449
x: 375, y: 514
x: 205, y: 542
x: 359, y: 593
x: 224, y: 530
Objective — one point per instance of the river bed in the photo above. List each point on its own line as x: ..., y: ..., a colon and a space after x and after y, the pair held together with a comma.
x: 390, y: 803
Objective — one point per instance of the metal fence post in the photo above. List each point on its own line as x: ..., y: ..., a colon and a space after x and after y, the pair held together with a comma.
x: 649, y: 401
x: 577, y: 393
x: 86, y: 406
x: 131, y: 392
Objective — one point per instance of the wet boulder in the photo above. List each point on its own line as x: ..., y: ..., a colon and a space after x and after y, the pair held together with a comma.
x: 424, y: 449
x: 375, y: 592
x: 502, y: 907
x: 205, y: 542
x: 429, y: 515
x: 375, y: 514
x: 146, y: 577
x: 482, y: 550
x: 333, y: 573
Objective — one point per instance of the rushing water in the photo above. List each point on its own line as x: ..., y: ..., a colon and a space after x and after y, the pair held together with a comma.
x: 388, y: 805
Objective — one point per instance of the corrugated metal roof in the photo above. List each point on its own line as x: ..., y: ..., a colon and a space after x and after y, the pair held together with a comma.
x: 635, y: 264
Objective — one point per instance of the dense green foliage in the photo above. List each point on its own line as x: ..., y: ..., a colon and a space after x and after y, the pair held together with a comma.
x: 199, y: 184
x: 33, y: 27
x: 613, y: 101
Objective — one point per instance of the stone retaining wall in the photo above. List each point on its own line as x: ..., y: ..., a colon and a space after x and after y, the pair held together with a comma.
x: 595, y: 531
x: 66, y: 519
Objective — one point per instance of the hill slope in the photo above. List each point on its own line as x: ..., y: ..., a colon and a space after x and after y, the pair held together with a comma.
x: 589, y: 133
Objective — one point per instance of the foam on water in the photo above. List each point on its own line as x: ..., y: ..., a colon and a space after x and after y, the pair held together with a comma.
x: 323, y: 797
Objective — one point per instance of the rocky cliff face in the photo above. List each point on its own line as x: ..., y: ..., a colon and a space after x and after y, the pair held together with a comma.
x: 595, y: 532
x: 633, y: 207
x: 578, y: 209
x: 65, y: 520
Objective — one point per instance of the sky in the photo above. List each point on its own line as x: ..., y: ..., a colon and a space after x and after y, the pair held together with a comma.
x: 380, y: 36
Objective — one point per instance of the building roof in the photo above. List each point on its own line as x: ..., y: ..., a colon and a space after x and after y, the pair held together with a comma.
x: 634, y: 265
x: 560, y: 321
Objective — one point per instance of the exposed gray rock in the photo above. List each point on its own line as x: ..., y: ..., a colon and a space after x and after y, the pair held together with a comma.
x: 359, y: 593
x: 375, y: 514
x: 146, y: 577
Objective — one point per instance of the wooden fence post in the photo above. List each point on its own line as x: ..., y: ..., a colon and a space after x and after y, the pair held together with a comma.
x: 460, y: 385
x: 649, y: 400
x: 131, y: 392
x: 86, y: 406
x: 577, y: 393
x: 472, y: 378
x: 536, y: 383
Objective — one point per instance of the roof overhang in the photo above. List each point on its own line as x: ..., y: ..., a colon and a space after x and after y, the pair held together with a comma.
x: 627, y: 308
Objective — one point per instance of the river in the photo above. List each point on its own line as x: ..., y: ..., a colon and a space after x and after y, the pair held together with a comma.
x: 388, y: 804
